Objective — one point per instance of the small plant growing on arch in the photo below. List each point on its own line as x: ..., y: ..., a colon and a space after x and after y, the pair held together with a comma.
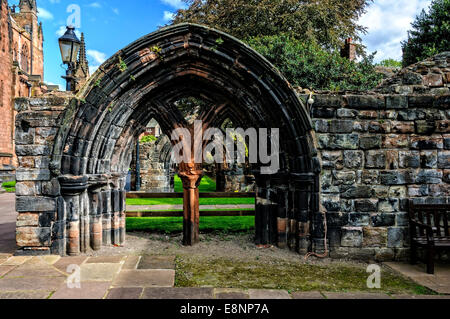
x: 122, y: 65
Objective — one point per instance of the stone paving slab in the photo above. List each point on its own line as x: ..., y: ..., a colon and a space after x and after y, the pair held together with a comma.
x: 439, y: 282
x: 307, y: 295
x: 16, y: 260
x: 64, y: 262
x: 224, y: 293
x: 105, y: 260
x: 124, y: 293
x: 131, y: 263
x: 34, y: 294
x: 5, y: 269
x: 226, y: 206
x: 99, y: 272
x: 40, y: 271
x: 88, y: 290
x: 178, y: 293
x: 157, y: 262
x: 30, y: 283
x: 268, y: 294
x: 145, y: 278
x: 51, y: 260
x: 359, y: 295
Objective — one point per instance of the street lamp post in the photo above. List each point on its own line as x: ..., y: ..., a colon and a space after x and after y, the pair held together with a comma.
x: 70, y: 46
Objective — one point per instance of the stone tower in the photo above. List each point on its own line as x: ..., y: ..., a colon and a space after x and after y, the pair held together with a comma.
x: 82, y: 68
x: 28, y: 6
x: 21, y: 72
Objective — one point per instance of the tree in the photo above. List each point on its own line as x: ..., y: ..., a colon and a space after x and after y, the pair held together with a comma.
x: 302, y: 38
x: 430, y: 34
x: 390, y: 63
x: 325, y: 22
x: 310, y: 66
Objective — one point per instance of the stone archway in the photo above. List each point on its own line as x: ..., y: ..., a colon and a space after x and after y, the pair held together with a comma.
x: 98, y: 130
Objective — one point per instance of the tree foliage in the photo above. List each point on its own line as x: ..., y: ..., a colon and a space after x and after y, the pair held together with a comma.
x: 430, y: 34
x: 309, y: 66
x: 302, y: 38
x: 390, y: 63
x: 326, y: 22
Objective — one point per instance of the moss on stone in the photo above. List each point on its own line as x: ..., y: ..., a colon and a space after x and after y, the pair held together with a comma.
x: 255, y: 274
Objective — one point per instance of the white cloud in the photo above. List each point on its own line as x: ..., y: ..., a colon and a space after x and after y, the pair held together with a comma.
x: 44, y: 14
x: 97, y: 56
x: 388, y: 23
x: 95, y: 5
x: 177, y: 4
x: 168, y: 16
x: 62, y: 29
x: 116, y: 11
x: 93, y: 68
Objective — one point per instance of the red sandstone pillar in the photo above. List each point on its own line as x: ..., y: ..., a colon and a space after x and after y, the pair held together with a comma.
x: 191, y: 175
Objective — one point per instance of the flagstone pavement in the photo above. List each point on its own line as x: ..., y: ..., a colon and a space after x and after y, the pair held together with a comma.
x: 118, y: 277
x: 127, y: 277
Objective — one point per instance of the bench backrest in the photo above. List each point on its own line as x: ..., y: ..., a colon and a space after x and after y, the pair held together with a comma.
x: 436, y: 216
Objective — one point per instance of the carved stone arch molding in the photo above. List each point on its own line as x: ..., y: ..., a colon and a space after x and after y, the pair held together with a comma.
x: 98, y: 129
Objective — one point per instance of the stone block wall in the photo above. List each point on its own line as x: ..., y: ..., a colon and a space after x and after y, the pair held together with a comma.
x: 377, y: 152
x: 56, y: 213
x: 37, y: 191
x: 156, y: 176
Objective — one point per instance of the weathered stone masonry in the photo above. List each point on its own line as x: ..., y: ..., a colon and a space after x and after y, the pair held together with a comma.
x: 368, y: 155
x: 377, y: 152
x: 91, y: 147
x: 89, y: 220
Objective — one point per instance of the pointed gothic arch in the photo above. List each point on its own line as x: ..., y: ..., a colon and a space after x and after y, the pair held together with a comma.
x: 93, y: 147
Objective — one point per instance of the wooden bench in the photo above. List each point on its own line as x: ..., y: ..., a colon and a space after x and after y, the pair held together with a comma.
x: 429, y: 229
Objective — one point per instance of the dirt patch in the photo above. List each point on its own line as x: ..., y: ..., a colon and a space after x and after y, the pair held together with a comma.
x: 239, y: 246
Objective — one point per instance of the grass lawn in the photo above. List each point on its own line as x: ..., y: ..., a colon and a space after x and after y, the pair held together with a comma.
x: 179, y: 201
x: 207, y: 185
x: 9, y: 187
x: 252, y: 273
x: 171, y: 225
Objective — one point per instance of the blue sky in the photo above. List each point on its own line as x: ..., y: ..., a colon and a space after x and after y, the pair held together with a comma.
x: 111, y: 25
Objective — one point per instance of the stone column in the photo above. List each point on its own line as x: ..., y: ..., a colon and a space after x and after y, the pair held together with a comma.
x: 191, y: 175
x: 72, y: 190
x: 96, y: 211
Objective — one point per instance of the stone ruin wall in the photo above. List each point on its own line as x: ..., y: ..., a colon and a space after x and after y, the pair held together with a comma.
x: 157, y: 174
x: 377, y: 152
x: 430, y: 76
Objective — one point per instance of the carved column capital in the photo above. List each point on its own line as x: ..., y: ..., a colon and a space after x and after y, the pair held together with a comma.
x: 73, y: 185
x: 190, y: 175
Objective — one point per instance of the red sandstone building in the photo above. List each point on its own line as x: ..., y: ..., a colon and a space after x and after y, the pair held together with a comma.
x: 21, y: 69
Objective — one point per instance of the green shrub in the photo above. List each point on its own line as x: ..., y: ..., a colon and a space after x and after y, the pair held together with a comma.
x: 148, y: 139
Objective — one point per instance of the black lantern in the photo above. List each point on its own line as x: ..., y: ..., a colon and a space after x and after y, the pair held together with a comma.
x: 70, y: 46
